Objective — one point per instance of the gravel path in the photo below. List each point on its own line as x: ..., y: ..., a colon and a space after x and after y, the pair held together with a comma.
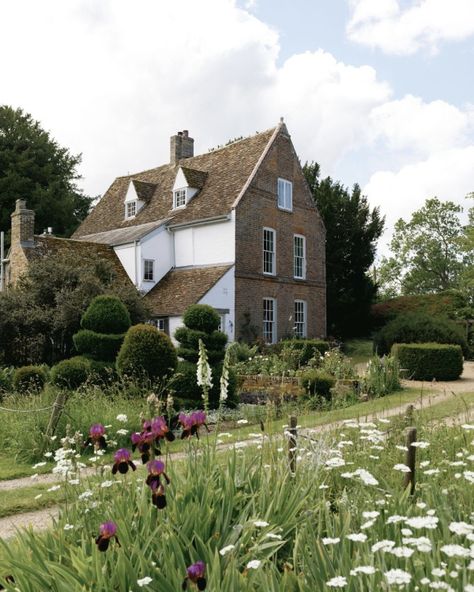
x: 433, y: 394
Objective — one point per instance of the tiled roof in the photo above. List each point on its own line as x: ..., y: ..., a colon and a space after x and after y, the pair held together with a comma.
x: 144, y: 190
x: 80, y: 250
x: 182, y: 287
x: 121, y: 236
x: 195, y: 179
x: 227, y: 171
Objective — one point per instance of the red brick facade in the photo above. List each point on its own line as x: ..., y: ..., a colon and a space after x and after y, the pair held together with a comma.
x: 257, y: 209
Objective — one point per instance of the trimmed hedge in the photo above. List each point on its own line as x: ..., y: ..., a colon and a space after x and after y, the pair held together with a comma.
x: 316, y: 382
x: 146, y: 353
x: 201, y: 317
x: 106, y: 314
x: 29, y: 379
x: 98, y: 346
x: 72, y: 373
x: 307, y: 348
x: 429, y: 361
x: 419, y: 328
x: 184, y: 384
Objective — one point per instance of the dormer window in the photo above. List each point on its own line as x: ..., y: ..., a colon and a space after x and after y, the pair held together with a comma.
x: 130, y: 209
x: 179, y: 198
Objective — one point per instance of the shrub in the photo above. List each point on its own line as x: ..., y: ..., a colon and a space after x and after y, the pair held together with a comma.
x: 382, y: 376
x: 316, y: 382
x: 6, y: 380
x: 98, y: 346
x: 201, y: 317
x: 306, y: 347
x: 146, y: 353
x: 101, y: 373
x: 185, y: 386
x: 418, y: 328
x: 428, y: 361
x: 106, y: 314
x: 29, y: 379
x: 72, y: 373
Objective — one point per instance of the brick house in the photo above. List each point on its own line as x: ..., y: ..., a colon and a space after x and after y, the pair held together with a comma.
x: 235, y: 228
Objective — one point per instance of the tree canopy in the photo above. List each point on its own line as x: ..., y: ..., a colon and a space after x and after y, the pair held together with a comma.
x: 352, y: 231
x: 34, y: 167
x: 428, y: 254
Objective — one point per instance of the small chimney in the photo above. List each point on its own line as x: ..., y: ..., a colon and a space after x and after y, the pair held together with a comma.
x: 23, y: 225
x: 181, y: 146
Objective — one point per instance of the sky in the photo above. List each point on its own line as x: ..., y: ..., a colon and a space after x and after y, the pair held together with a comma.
x: 379, y: 92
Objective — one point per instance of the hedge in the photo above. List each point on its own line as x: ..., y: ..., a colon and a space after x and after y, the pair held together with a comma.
x: 146, y: 353
x: 98, y: 346
x: 106, y: 314
x: 419, y: 328
x: 307, y: 348
x: 29, y: 379
x: 316, y: 382
x: 72, y: 373
x: 429, y: 361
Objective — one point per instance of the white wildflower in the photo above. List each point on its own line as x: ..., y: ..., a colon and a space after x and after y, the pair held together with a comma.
x: 403, y: 468
x: 383, y: 546
x: 272, y: 535
x: 39, y: 464
x: 68, y: 526
x: 54, y: 488
x: 144, y: 581
x: 420, y: 444
x: 429, y: 522
x: 85, y: 495
x: 358, y: 537
x: 401, y: 551
x: 121, y: 432
x: 105, y: 484
x: 337, y: 582
x: 397, y: 576
x: 330, y: 541
x: 461, y: 528
x: 254, y: 564
x: 365, y: 569
x: 122, y: 418
x: 431, y: 472
x: 395, y: 518
x: 469, y: 476
x: 403, y: 448
x: 335, y: 462
x: 226, y: 550
x: 242, y: 421
x: 260, y: 523
x: 455, y: 551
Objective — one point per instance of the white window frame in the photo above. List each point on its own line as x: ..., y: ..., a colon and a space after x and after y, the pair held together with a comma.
x: 152, y: 278
x: 299, y: 260
x: 178, y: 196
x: 269, y: 256
x: 269, y: 317
x: 161, y: 324
x: 285, y: 194
x: 300, y: 319
x: 128, y: 206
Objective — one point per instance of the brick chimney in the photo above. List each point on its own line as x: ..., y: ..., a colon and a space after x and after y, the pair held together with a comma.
x: 181, y: 146
x: 23, y: 225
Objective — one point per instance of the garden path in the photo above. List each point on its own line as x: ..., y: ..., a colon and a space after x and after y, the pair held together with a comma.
x: 436, y: 392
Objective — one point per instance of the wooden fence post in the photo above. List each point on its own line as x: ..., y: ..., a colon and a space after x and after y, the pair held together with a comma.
x: 410, y: 461
x: 58, y: 407
x: 409, y: 414
x: 292, y: 448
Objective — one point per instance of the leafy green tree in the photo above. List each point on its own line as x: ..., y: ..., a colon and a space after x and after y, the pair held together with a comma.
x: 34, y: 167
x: 352, y: 231
x: 427, y: 253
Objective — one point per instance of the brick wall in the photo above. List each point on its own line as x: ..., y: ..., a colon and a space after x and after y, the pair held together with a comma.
x: 257, y: 209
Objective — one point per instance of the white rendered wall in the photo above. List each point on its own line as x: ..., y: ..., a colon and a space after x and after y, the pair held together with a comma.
x: 174, y: 323
x: 129, y: 255
x: 205, y: 245
x: 158, y: 245
x: 222, y: 296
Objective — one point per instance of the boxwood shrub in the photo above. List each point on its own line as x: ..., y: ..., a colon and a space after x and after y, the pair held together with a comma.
x: 106, y: 314
x: 29, y: 379
x: 419, y: 328
x: 201, y: 317
x: 428, y: 361
x: 72, y: 373
x: 98, y: 346
x: 146, y: 353
x: 317, y: 383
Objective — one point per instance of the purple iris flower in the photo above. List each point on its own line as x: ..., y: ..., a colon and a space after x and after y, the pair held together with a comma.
x: 195, y: 574
x: 156, y: 468
x: 123, y: 460
x: 97, y: 436
x: 192, y: 423
x: 107, y: 531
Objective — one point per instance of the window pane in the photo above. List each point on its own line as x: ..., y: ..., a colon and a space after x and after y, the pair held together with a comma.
x: 299, y: 256
x: 268, y: 251
x: 131, y: 209
x: 179, y: 198
x: 285, y: 194
x: 148, y: 269
x: 300, y: 318
x: 269, y: 332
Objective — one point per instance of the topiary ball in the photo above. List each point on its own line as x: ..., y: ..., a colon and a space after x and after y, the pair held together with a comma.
x: 201, y: 317
x: 106, y: 314
x: 146, y: 353
x: 72, y: 373
x: 29, y: 379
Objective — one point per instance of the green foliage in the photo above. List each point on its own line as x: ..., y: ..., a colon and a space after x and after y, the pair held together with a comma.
x: 240, y: 351
x: 6, y: 380
x: 317, y: 383
x: 306, y: 347
x: 71, y: 374
x: 40, y: 316
x: 418, y: 328
x: 106, y: 314
x: 102, y: 373
x: 184, y: 384
x: 429, y: 361
x: 201, y: 317
x: 427, y: 255
x: 98, y: 346
x: 29, y: 379
x: 34, y: 167
x: 382, y: 376
x: 335, y: 363
x: 352, y: 231
x: 146, y: 353
x: 214, y: 342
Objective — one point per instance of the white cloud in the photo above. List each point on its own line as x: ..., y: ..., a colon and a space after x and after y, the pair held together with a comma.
x: 115, y: 79
x: 385, y: 25
x: 447, y: 174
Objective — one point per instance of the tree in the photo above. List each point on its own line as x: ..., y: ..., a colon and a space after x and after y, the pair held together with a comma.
x: 39, y: 317
x: 34, y: 167
x: 427, y: 252
x: 352, y: 231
